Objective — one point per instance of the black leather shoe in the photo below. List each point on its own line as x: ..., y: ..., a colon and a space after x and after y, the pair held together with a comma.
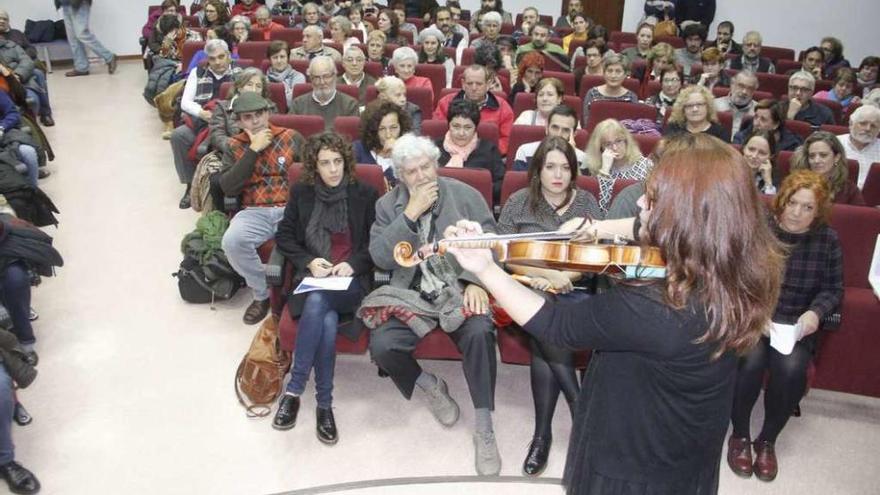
x: 255, y: 312
x: 43, y: 173
x: 19, y: 479
x: 326, y: 426
x: 285, y: 417
x: 111, y: 65
x: 536, y: 458
x: 47, y: 120
x: 21, y: 416
x: 185, y: 202
x: 31, y: 358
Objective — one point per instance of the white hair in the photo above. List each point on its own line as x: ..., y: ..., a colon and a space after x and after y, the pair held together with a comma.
x: 262, y: 10
x: 411, y: 147
x: 865, y: 112
x: 490, y: 17
x: 804, y: 76
x: 321, y: 59
x: 386, y: 83
x: 215, y: 45
x: 240, y: 19
x: 739, y: 76
x: 403, y: 54
x: 873, y: 98
x: 311, y: 28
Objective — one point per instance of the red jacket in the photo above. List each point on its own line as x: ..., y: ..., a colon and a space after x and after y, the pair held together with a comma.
x: 495, y: 110
x: 242, y: 9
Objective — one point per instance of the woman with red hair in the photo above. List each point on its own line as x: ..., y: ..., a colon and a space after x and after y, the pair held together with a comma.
x: 529, y: 71
x: 654, y: 408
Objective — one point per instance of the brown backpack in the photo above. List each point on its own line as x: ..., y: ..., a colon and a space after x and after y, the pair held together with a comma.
x: 260, y: 375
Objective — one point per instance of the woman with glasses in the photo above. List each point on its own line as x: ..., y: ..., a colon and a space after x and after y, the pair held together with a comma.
x: 615, y: 68
x: 694, y: 112
x: 670, y: 86
x: 613, y: 154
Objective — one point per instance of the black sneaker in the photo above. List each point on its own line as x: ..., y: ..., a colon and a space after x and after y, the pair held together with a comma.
x: 19, y: 479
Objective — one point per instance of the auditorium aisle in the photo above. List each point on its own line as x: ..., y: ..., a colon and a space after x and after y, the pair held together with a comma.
x: 135, y: 388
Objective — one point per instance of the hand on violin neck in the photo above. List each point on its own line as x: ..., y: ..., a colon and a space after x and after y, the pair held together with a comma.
x: 472, y: 260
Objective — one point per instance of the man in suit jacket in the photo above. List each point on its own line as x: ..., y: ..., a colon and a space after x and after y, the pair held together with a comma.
x: 76, y: 23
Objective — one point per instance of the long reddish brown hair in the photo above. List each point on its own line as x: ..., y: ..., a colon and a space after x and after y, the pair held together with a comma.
x: 709, y: 224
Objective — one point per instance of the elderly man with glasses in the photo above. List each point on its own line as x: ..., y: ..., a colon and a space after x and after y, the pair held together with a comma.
x: 324, y: 99
x: 739, y: 101
x: 353, y: 63
x: 800, y: 104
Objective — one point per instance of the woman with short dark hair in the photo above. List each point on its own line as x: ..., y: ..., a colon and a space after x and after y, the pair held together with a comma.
x: 381, y: 124
x: 325, y: 232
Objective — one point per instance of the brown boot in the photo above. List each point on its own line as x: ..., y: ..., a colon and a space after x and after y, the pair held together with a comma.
x: 169, y: 128
x: 256, y: 312
x: 739, y: 456
x: 766, y: 468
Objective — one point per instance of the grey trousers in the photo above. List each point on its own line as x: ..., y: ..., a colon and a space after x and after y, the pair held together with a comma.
x: 247, y: 231
x: 393, y: 343
x: 182, y: 140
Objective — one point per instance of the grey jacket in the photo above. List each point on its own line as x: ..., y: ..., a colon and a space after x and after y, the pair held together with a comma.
x: 12, y: 55
x: 457, y: 201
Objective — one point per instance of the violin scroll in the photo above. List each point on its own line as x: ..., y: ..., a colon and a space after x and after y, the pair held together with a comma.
x: 405, y: 255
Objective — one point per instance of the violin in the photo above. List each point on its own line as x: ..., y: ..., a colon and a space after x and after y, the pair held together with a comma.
x: 551, y: 250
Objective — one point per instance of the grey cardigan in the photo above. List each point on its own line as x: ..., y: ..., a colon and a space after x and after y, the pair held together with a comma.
x: 457, y: 201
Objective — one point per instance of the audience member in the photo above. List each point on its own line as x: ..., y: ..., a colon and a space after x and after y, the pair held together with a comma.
x: 224, y: 123
x: 593, y: 52
x: 313, y: 46
x: 457, y: 36
x: 289, y: 8
x: 419, y: 210
x: 644, y: 40
x: 580, y: 25
x: 418, y: 9
x: 324, y: 100
x: 376, y: 50
x: 311, y: 16
x: 353, y: 64
x: 770, y: 116
x: 613, y: 154
x: 694, y: 112
x: 356, y: 17
x: 812, y: 61
x: 260, y: 155
x: 751, y: 58
x: 462, y: 147
x: 567, y: 21
x: 659, y: 10
x: 263, y: 20
x: 561, y: 123
x: 340, y: 32
x: 490, y: 27
x: 540, y: 43
x: 862, y: 143
x: 490, y: 6
x: 14, y: 59
x: 833, y: 49
x: 822, y: 153
x: 325, y: 231
x: 492, y: 108
x: 245, y: 8
x: 800, y: 104
x: 382, y: 124
x: 404, y: 61
x: 549, y: 93
x: 713, y: 75
x: 694, y: 35
x: 529, y: 71
x: 867, y: 74
x: 392, y: 89
x: 241, y: 28
x: 689, y: 12
x: 739, y: 101
x: 18, y: 478
x: 489, y: 56
x: 16, y: 141
x: 812, y: 288
x: 670, y: 87
x: 843, y: 91
x: 432, y: 42
x: 615, y: 68
x: 200, y: 93
x: 399, y: 9
x: 7, y: 32
x: 530, y: 17
x: 758, y: 152
x: 661, y: 57
x: 75, y: 14
x: 724, y: 41
x: 214, y: 14
x: 550, y: 199
x: 388, y: 23
x: 281, y: 71
x: 328, y: 8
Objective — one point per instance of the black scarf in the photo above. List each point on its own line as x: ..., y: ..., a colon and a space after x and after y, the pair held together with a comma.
x: 330, y: 215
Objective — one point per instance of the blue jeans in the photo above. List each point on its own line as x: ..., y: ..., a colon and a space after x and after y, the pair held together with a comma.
x: 76, y: 22
x: 39, y: 100
x: 28, y: 156
x: 316, y: 340
x: 15, y: 292
x: 7, y: 404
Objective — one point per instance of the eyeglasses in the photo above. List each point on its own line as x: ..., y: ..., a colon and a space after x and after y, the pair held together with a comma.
x: 614, y: 144
x: 671, y: 80
x: 322, y: 78
x: 694, y: 106
x: 799, y: 89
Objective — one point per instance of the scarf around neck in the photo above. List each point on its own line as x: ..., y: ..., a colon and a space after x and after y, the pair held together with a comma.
x: 330, y: 216
x: 458, y: 154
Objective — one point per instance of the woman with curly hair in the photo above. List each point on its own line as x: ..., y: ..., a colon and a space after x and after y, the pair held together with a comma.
x: 325, y: 232
x: 381, y: 124
x: 214, y: 14
x: 694, y: 112
x: 822, y: 153
x: 529, y: 71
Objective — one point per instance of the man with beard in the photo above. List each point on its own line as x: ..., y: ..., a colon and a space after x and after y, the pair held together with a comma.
x: 457, y: 36
x: 751, y: 58
x: 324, y: 100
x: 540, y: 37
x: 694, y: 35
x: 862, y: 143
x: 739, y: 101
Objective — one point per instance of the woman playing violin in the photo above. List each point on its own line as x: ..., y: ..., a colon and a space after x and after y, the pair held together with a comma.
x: 654, y: 408
x: 548, y: 201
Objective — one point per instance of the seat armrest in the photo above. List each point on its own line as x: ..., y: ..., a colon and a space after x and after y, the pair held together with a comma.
x: 275, y: 268
x: 831, y: 321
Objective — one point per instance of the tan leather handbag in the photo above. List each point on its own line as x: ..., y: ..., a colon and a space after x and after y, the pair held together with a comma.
x: 260, y: 374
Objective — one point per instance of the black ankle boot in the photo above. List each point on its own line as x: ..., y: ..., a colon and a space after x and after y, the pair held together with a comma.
x: 185, y: 201
x: 536, y: 458
x: 326, y: 429
x: 285, y: 417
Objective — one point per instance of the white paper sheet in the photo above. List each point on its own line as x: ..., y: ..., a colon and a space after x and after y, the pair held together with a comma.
x: 874, y: 273
x: 327, y: 283
x: 783, y: 337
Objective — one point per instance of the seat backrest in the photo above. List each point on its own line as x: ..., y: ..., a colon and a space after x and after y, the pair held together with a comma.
x: 601, y: 110
x: 777, y: 84
x: 545, y: 19
x: 301, y: 66
x: 519, y: 135
x: 255, y: 50
x: 567, y: 79
x: 852, y: 223
x: 513, y: 182
x: 646, y: 143
x: 467, y: 56
x: 276, y: 94
x: 799, y: 127
x: 588, y: 82
x: 304, y: 88
x: 835, y: 107
x: 589, y: 184
x: 437, y: 74
x: 372, y: 176
x: 488, y: 131
x: 307, y: 125
x: 726, y: 121
x: 837, y: 130
x: 783, y: 66
x: 675, y: 41
x: 422, y: 98
x: 478, y: 178
x: 653, y: 88
x: 189, y: 50
x: 434, y: 129
x: 348, y: 127
x: 775, y: 53
x: 624, y: 37
x: 871, y: 188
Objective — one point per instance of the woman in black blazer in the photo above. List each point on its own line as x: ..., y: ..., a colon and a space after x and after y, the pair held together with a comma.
x: 461, y: 147
x: 325, y: 232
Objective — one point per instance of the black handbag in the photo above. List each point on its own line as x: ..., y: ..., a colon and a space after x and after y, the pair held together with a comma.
x: 39, y: 31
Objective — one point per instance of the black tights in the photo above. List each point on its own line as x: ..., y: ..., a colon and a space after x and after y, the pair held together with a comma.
x: 786, y: 384
x: 552, y: 371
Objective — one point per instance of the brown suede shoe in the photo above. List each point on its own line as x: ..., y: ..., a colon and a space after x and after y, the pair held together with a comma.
x: 256, y: 312
x: 739, y: 456
x: 766, y: 468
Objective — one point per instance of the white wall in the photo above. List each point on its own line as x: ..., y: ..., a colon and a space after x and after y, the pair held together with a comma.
x: 117, y: 23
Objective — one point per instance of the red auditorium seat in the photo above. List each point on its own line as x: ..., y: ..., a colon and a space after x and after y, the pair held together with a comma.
x: 478, y: 178
x: 871, y: 188
x: 434, y: 129
x: 835, y: 107
x: 777, y: 84
x: 776, y: 53
x: 437, y: 74
x: 837, y: 130
x: 528, y: 101
x: 646, y: 143
x: 589, y: 81
x: 276, y: 94
x: 785, y: 66
x: 348, y: 127
x: 799, y: 127
x: 307, y: 125
x: 189, y: 50
x: 301, y: 89
x: 567, y: 79
x: 623, y: 37
x: 601, y: 110
x: 255, y: 50
x: 519, y: 135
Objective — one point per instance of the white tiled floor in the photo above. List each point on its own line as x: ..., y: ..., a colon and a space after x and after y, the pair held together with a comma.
x: 135, y: 388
